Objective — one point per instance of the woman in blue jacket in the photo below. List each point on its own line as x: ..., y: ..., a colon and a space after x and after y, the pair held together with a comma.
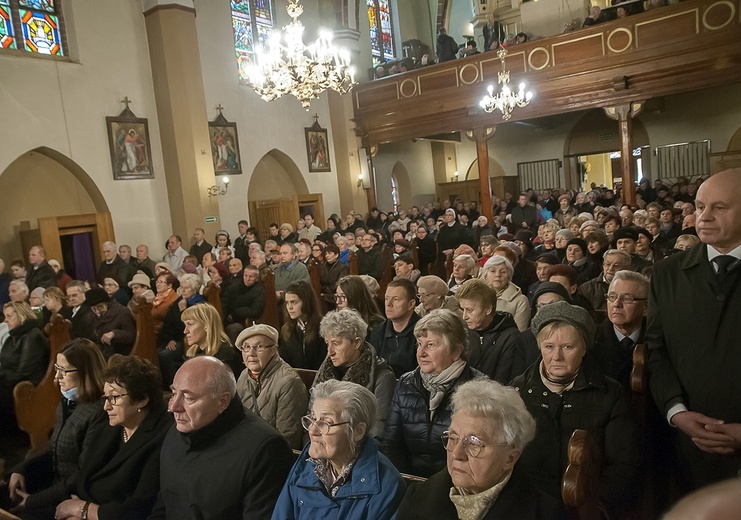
x: 341, y: 473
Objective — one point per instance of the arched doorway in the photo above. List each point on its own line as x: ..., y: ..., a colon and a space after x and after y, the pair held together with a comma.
x: 403, y: 185
x: 278, y: 193
x: 495, y: 169
x: 44, y: 183
x: 591, y: 146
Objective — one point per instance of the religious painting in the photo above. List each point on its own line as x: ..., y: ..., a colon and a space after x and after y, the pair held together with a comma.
x: 224, y: 146
x: 131, y: 153
x: 317, y: 147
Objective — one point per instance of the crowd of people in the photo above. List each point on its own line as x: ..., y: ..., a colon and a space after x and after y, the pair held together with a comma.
x: 491, y: 343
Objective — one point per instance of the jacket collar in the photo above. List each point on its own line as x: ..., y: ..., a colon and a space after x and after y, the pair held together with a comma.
x: 409, y: 329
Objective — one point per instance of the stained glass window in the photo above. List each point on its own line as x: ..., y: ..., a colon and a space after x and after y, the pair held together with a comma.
x: 32, y: 25
x: 381, y: 29
x: 252, y: 23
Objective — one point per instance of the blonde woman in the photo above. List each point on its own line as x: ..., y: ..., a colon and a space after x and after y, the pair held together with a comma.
x: 205, y: 336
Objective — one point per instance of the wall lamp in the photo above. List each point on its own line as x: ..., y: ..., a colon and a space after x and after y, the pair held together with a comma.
x: 360, y: 180
x: 216, y: 190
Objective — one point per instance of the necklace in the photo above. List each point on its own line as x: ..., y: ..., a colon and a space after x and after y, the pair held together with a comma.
x: 124, y: 435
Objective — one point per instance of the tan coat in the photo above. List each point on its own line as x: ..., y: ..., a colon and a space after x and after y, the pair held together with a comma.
x: 279, y: 397
x: 514, y: 302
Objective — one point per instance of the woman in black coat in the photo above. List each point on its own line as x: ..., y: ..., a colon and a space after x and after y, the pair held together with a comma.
x: 119, y: 477
x: 24, y: 357
x: 421, y: 407
x: 488, y: 431
x: 301, y: 346
x: 79, y: 373
x: 565, y: 391
x: 426, y: 249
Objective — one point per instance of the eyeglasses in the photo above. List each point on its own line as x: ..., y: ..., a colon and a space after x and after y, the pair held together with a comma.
x: 422, y: 296
x: 320, y: 424
x: 258, y: 348
x: 63, y: 371
x: 624, y: 298
x: 112, y: 399
x: 472, y: 445
x: 340, y: 298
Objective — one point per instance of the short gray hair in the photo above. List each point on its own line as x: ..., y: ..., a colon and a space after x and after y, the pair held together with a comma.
x: 222, y: 380
x: 495, y: 261
x: 449, y: 326
x: 21, y: 285
x: 502, y: 405
x: 357, y: 402
x: 193, y: 280
x: 109, y: 243
x: 343, y: 323
x: 626, y: 256
x: 632, y: 276
x: 467, y: 261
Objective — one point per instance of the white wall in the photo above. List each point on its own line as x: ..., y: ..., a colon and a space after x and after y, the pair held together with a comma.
x: 63, y: 105
x: 417, y: 159
x: 262, y: 126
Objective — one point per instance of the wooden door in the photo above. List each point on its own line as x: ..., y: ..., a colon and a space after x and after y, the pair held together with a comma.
x: 266, y: 212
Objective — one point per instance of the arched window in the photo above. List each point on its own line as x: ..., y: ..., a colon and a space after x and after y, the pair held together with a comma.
x: 34, y: 26
x: 252, y: 22
x: 394, y: 192
x: 379, y: 20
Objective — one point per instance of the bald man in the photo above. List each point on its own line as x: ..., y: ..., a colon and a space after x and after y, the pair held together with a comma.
x: 40, y: 273
x: 694, y: 335
x: 721, y: 501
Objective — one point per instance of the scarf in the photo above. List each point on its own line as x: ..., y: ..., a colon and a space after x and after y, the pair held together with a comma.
x: 475, y: 506
x: 359, y: 372
x: 160, y: 298
x: 325, y: 473
x: 439, y: 384
x: 557, y: 385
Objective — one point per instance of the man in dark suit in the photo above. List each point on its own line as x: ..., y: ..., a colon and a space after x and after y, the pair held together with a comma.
x: 200, y: 247
x: 112, y: 264
x: 693, y: 335
x: 40, y: 273
x: 617, y: 336
x: 83, y: 320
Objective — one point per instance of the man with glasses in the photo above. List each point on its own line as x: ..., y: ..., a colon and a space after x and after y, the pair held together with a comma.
x: 617, y: 336
x: 114, y: 325
x: 595, y: 290
x: 218, y: 460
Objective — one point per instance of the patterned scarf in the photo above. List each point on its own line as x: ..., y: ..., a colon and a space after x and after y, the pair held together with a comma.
x: 439, y: 384
x: 475, y: 506
x: 325, y: 473
x: 359, y: 372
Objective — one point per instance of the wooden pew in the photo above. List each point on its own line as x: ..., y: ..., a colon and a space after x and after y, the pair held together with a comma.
x: 579, y: 484
x: 270, y: 314
x: 415, y: 253
x: 316, y: 284
x: 146, y: 340
x: 6, y: 515
x: 307, y: 376
x: 352, y: 263
x: 35, y: 406
x: 448, y: 266
x: 639, y: 373
x: 212, y: 293
x: 388, y: 271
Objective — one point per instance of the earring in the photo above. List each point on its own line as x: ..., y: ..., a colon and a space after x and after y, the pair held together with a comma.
x: 138, y: 410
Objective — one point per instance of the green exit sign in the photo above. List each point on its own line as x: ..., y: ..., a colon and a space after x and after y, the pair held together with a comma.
x: 211, y: 220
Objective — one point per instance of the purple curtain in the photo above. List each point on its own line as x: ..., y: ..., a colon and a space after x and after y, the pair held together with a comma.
x: 82, y: 246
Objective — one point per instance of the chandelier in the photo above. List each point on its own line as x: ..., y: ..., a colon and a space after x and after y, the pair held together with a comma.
x: 302, y: 70
x: 506, y: 99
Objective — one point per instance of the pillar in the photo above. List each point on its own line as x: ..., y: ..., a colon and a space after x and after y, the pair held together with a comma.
x: 482, y: 135
x: 624, y: 114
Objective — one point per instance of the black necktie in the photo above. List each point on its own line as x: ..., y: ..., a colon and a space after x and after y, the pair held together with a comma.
x: 627, y: 344
x: 724, y: 263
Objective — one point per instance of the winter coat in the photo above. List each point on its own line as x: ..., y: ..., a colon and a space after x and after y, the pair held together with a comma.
x: 119, y: 320
x: 278, y: 396
x: 373, y: 490
x: 492, y: 350
x: 299, y: 353
x: 515, y: 303
x: 412, y: 440
x: 24, y: 357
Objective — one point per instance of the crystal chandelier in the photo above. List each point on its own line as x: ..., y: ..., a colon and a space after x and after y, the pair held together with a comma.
x: 506, y: 99
x: 290, y: 67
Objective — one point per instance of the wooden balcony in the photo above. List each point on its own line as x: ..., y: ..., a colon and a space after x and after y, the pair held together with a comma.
x: 689, y: 46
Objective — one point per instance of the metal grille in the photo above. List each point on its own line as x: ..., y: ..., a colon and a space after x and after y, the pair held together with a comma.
x: 689, y: 160
x: 539, y: 175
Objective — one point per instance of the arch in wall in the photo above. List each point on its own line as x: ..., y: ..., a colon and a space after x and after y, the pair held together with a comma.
x: 594, y: 133
x: 735, y: 142
x: 43, y: 183
x: 276, y: 176
x: 495, y: 169
x: 404, y: 184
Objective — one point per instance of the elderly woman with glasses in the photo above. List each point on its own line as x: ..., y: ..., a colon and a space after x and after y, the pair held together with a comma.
x: 420, y: 409
x: 566, y: 390
x: 351, y: 358
x: 341, y: 474
x: 488, y: 431
x: 432, y: 292
x: 498, y: 273
x: 119, y: 474
x: 270, y: 387
x: 79, y: 373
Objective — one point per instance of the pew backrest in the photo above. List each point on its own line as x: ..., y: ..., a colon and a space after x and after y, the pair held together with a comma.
x: 270, y: 314
x: 146, y: 340
x: 579, y: 483
x: 212, y: 293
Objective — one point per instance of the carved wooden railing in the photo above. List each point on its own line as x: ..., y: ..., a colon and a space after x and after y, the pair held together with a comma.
x: 579, y: 484
x: 145, y: 346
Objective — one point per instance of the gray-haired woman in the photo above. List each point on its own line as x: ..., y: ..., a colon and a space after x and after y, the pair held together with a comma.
x: 488, y: 431
x: 351, y: 358
x: 498, y: 273
x: 341, y: 473
x: 420, y: 409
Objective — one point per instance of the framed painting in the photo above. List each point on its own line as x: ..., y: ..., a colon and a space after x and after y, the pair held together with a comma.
x: 224, y: 146
x: 317, y: 148
x: 131, y: 153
